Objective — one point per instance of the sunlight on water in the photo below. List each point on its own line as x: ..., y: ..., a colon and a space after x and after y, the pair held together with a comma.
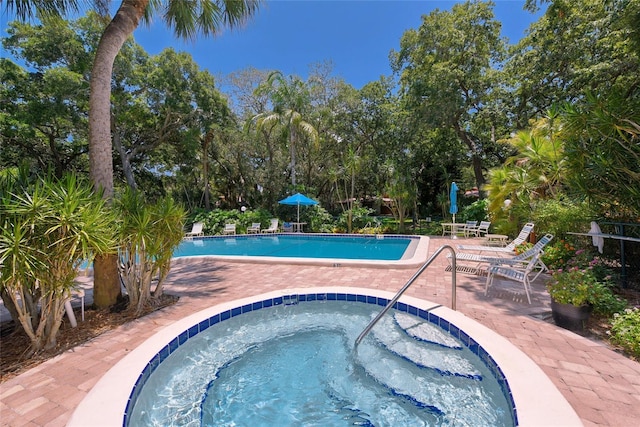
x: 302, y: 246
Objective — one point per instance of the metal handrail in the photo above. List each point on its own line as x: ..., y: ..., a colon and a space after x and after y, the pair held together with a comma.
x: 409, y: 283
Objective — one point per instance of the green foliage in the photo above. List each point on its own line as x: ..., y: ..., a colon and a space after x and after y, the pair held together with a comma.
x: 477, y: 210
x: 360, y: 218
x: 584, y: 280
x: 248, y: 217
x: 558, y: 216
x: 148, y: 235
x: 603, y: 151
x: 432, y: 228
x: 578, y: 287
x: 446, y: 86
x: 625, y: 330
x: 558, y: 254
x: 176, y: 135
x: 49, y: 227
x: 551, y: 64
x: 319, y: 220
x: 215, y: 220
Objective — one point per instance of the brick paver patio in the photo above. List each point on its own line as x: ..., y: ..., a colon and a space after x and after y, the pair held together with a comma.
x: 601, y: 385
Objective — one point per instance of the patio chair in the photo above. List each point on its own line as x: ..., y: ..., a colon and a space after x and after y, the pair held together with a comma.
x: 229, y: 229
x: 509, y: 249
x: 273, y: 227
x: 470, y: 227
x: 253, y: 228
x: 196, y: 230
x: 483, y: 228
x: 517, y: 261
x: 287, y: 227
x: 515, y: 273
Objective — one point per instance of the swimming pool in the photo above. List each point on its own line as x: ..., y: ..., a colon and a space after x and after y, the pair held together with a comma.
x: 537, y: 401
x: 324, y: 249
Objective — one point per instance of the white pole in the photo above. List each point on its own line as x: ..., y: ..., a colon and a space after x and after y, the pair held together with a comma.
x: 70, y: 314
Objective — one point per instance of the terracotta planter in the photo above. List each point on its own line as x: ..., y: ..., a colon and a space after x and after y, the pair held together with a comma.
x: 571, y: 317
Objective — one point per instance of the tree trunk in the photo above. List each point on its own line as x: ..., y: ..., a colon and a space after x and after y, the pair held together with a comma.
x: 124, y: 158
x: 205, y: 168
x: 476, y: 161
x: 292, y: 151
x: 106, y: 286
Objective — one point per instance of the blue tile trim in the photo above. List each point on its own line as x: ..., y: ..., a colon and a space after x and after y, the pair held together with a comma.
x: 456, y: 332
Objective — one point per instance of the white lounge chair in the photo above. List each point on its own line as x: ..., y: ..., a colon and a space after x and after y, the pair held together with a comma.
x: 518, y: 274
x: 520, y: 239
x: 253, y: 228
x: 229, y: 229
x: 517, y: 261
x: 273, y: 227
x: 196, y: 230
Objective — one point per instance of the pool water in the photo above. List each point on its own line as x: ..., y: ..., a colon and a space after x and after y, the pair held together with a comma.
x: 298, y: 246
x: 295, y: 364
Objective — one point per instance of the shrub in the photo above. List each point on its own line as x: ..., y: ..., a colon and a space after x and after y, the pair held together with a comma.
x: 148, y: 234
x: 319, y: 220
x: 215, y: 220
x: 585, y: 280
x: 360, y: 218
x: 477, y: 211
x: 625, y: 331
x: 557, y: 216
x: 558, y: 254
x: 49, y: 228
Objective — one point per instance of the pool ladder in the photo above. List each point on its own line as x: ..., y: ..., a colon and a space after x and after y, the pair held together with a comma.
x: 409, y: 283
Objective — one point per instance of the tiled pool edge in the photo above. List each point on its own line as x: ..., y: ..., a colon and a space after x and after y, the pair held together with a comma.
x: 537, y: 400
x: 418, y: 257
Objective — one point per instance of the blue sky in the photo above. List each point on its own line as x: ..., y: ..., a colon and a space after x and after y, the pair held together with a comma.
x: 290, y: 35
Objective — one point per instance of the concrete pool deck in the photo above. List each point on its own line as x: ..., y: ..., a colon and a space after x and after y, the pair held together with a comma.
x: 602, y: 386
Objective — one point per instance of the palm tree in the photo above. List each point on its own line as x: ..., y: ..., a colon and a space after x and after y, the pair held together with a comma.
x: 289, y: 101
x: 536, y: 172
x: 187, y: 19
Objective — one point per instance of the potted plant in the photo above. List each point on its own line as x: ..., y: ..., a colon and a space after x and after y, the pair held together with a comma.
x: 580, y: 288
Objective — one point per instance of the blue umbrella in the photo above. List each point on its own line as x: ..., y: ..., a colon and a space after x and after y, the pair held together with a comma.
x: 298, y: 199
x: 453, y: 196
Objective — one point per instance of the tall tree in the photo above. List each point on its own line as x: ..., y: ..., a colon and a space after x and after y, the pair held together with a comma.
x: 187, y: 19
x: 360, y: 140
x: 447, y: 71
x: 43, y: 115
x: 290, y: 100
x: 576, y: 46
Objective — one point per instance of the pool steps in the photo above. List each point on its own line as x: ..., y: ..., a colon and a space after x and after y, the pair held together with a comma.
x: 423, y: 353
x: 409, y: 349
x: 423, y: 331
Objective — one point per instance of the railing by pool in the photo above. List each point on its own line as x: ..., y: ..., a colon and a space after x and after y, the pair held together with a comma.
x: 395, y: 299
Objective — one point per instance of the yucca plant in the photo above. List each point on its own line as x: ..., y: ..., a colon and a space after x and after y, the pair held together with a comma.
x: 49, y: 228
x: 148, y: 234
